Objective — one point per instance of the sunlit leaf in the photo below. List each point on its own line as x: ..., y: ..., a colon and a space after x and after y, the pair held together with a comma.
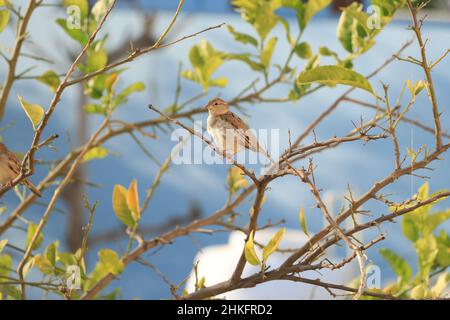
x: 266, y: 54
x: 236, y: 179
x: 5, y: 265
x: 273, y: 244
x: 303, y: 50
x: 250, y: 253
x: 242, y: 37
x: 4, y: 16
x: 97, y: 60
x: 120, y: 206
x: 83, y: 6
x: 110, y: 261
x: 133, y: 200
x: 100, y: 8
x: 34, y: 112
x: 3, y: 244
x: 95, y: 153
x: 440, y: 285
x: 303, y: 224
x: 77, y: 34
x: 32, y: 228
x: 51, y: 79
x: 399, y: 265
x: 333, y: 75
x: 427, y: 250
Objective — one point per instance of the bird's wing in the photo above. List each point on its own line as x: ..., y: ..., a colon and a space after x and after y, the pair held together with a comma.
x: 242, y: 130
x: 13, y: 163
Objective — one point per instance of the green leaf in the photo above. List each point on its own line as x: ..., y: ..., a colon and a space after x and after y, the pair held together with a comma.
x: 345, y: 31
x: 34, y: 112
x: 32, y: 227
x: 242, y: 37
x: 266, y: 54
x: 120, y: 206
x: 427, y: 250
x: 303, y: 221
x: 332, y: 75
x: 111, y: 262
x: 303, y: 50
x: 51, y: 252
x: 97, y: 60
x: 313, y: 7
x: 443, y: 243
x: 399, y: 265
x: 250, y: 253
x: 123, y: 96
x: 205, y: 61
x: 273, y: 244
x: 95, y: 153
x: 83, y: 5
x: 256, y: 66
x: 4, y: 19
x: 410, y: 228
x: 236, y: 179
x: 259, y: 13
x: 133, y: 201
x: 434, y: 220
x: 94, y: 108
x: 3, y: 244
x: 5, y: 265
x: 51, y: 79
x: 76, y: 34
x: 29, y: 265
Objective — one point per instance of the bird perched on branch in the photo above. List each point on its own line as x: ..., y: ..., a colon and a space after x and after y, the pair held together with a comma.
x: 10, y: 168
x: 228, y: 131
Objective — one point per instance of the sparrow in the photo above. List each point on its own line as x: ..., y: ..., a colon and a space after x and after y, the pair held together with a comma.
x: 228, y: 131
x: 10, y: 168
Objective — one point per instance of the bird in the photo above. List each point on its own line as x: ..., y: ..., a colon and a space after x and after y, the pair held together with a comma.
x: 10, y: 168
x: 228, y: 131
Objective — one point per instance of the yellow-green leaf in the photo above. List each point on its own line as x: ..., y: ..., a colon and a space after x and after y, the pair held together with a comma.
x: 236, y: 179
x: 303, y: 224
x: 95, y: 153
x: 120, y: 206
x: 273, y: 244
x: 29, y: 265
x: 250, y: 253
x: 110, y: 261
x: 419, y: 292
x: 333, y: 75
x: 82, y: 5
x: 440, y: 285
x: 4, y: 19
x: 399, y: 265
x: 111, y: 81
x: 51, y: 79
x: 266, y: 54
x: 97, y: 60
x: 3, y: 244
x: 34, y: 112
x: 32, y: 227
x: 133, y: 200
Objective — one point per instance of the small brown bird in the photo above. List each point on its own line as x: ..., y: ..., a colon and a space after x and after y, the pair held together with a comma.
x: 228, y: 131
x: 10, y: 169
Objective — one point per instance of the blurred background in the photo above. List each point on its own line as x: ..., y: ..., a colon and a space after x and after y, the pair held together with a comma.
x: 188, y: 192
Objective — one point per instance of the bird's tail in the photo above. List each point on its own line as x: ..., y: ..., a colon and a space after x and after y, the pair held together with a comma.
x: 32, y: 188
